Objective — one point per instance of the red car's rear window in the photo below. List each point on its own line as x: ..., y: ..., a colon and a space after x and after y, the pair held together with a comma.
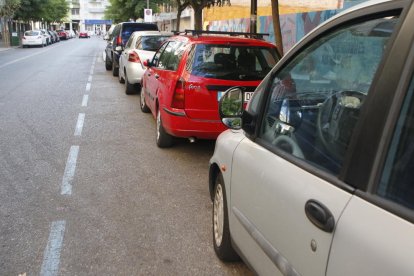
x: 232, y: 62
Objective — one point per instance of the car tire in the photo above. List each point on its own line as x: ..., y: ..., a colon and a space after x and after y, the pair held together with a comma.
x: 221, y: 231
x: 121, y: 79
x: 163, y: 139
x: 143, y: 104
x: 115, y: 71
x: 108, y: 63
x: 129, y: 88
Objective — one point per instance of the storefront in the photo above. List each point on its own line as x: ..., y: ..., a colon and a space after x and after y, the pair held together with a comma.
x: 96, y: 26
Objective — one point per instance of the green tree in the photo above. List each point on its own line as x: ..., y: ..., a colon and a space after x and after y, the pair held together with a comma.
x: 9, y: 8
x: 125, y: 10
x: 7, y: 11
x: 54, y: 10
x: 199, y: 5
x: 29, y: 10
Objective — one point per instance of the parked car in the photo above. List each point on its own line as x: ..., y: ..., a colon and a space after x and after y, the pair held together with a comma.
x: 117, y: 39
x: 140, y: 47
x: 62, y: 35
x: 53, y: 39
x: 84, y: 35
x: 319, y: 180
x: 47, y: 35
x: 33, y: 38
x: 57, y: 39
x: 188, y: 75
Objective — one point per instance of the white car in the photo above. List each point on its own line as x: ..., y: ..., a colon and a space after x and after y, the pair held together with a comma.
x: 33, y: 38
x: 140, y: 47
x: 47, y: 35
x: 316, y: 176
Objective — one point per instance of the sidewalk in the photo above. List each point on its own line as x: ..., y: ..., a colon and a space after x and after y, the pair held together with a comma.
x: 3, y: 48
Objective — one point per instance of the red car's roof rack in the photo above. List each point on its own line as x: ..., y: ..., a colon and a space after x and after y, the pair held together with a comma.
x: 201, y: 32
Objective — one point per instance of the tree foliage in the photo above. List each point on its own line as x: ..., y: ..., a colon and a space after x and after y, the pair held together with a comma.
x: 125, y: 10
x: 9, y: 8
x: 42, y: 10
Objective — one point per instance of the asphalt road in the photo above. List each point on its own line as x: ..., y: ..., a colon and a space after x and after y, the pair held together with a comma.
x: 84, y: 190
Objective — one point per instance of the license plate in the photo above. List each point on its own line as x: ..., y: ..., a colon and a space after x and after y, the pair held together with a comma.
x: 247, y: 96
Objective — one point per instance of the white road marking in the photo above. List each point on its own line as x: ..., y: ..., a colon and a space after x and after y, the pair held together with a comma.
x: 88, y: 86
x: 69, y: 173
x: 85, y: 100
x: 79, y: 124
x: 51, y: 257
x: 90, y: 78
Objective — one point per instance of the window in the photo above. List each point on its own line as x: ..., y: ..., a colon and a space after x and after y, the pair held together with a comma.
x: 315, y: 100
x: 397, y: 182
x: 171, y: 57
x: 75, y: 11
x: 233, y: 62
x: 129, y: 42
x: 156, y: 59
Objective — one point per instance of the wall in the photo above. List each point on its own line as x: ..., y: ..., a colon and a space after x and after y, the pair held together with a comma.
x: 294, y: 25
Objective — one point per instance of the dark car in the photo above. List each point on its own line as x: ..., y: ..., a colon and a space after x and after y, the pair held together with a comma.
x: 117, y: 40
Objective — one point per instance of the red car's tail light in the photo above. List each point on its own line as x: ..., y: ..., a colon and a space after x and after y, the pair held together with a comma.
x: 133, y: 57
x: 118, y: 40
x: 179, y: 95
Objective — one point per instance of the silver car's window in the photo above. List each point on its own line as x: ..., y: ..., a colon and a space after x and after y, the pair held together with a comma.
x: 316, y: 99
x: 397, y: 182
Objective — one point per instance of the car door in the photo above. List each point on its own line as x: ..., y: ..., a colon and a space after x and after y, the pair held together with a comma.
x: 123, y: 59
x: 375, y: 235
x: 286, y: 204
x: 151, y: 79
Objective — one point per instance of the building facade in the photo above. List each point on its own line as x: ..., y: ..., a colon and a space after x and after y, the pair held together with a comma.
x: 88, y: 15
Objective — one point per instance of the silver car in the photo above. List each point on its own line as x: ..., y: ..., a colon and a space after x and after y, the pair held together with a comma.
x: 316, y: 176
x: 140, y: 47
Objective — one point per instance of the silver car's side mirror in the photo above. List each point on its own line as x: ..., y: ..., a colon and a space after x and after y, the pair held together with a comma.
x: 231, y: 107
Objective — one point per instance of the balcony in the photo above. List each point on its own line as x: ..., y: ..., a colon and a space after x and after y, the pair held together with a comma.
x: 96, y: 10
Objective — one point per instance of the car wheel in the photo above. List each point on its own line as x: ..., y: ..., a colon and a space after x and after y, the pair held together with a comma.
x: 108, y: 63
x: 143, y: 104
x: 221, y: 231
x: 129, y: 88
x: 115, y: 71
x: 164, y: 140
x: 121, y: 79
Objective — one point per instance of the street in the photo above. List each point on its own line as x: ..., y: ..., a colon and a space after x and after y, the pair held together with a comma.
x: 84, y: 188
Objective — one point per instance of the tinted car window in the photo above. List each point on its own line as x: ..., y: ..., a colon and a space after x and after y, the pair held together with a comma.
x: 231, y: 62
x: 397, y: 182
x: 152, y: 43
x: 31, y: 33
x: 128, y: 29
x: 157, y: 56
x: 316, y: 99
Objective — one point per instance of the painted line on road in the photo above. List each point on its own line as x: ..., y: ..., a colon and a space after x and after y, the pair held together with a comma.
x: 69, y: 173
x: 88, y: 86
x: 23, y: 58
x: 79, y: 124
x: 51, y: 257
x: 85, y: 100
x: 92, y: 68
x: 90, y: 78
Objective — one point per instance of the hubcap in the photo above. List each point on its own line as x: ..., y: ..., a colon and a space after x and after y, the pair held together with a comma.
x: 218, y: 215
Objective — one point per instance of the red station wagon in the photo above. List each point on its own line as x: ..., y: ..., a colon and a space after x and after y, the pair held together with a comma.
x: 188, y: 75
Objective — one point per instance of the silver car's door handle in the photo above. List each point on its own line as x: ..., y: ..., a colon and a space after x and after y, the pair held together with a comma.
x: 320, y: 215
